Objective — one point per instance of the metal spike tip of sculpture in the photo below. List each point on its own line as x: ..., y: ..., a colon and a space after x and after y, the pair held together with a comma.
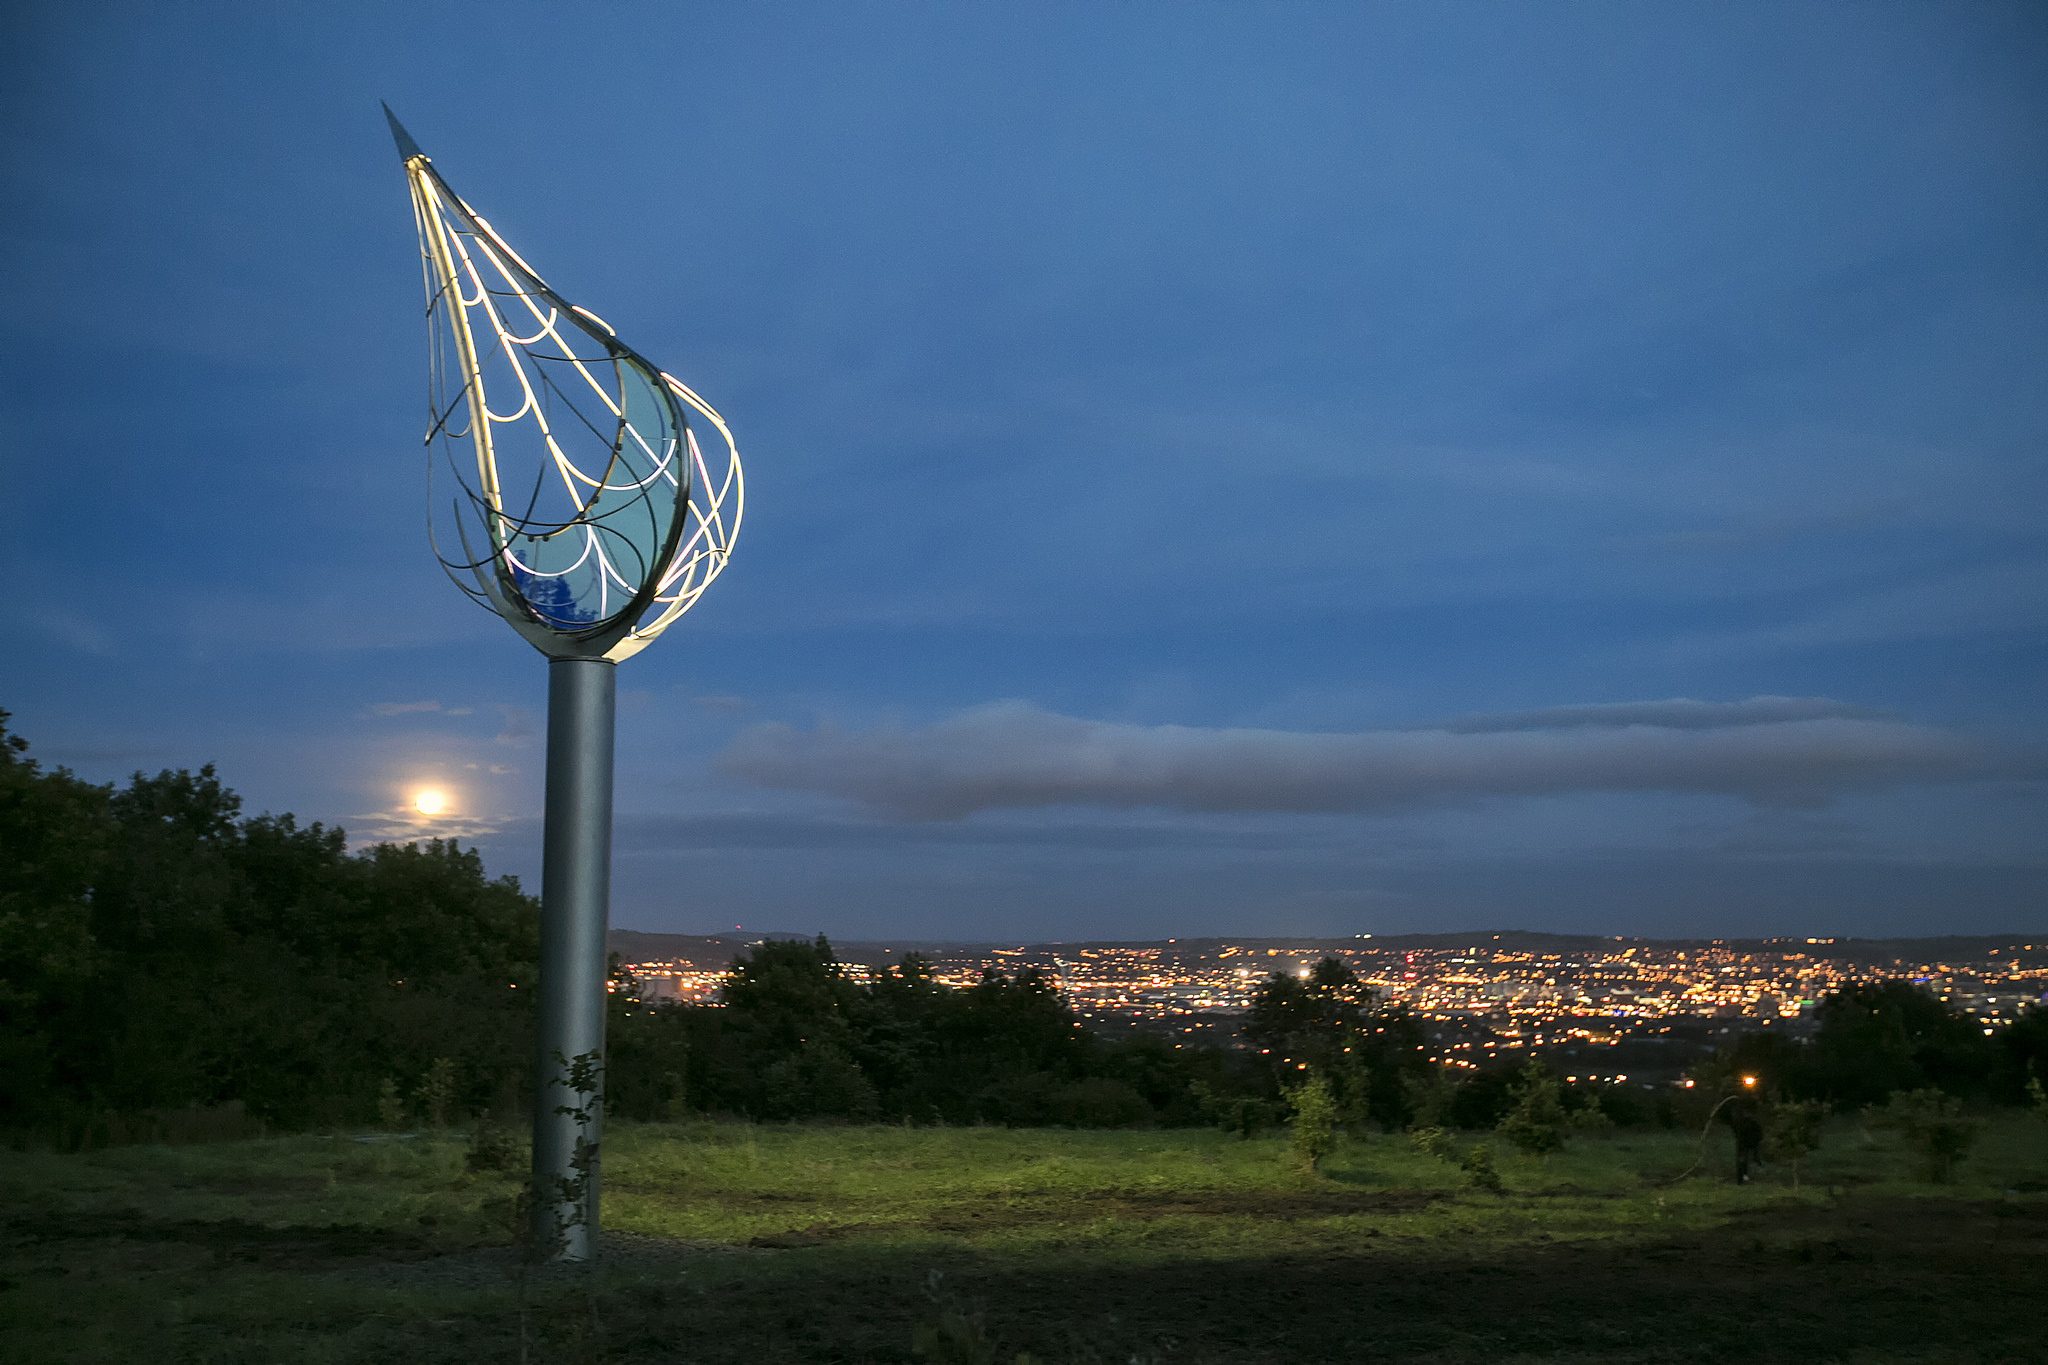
x: 588, y: 515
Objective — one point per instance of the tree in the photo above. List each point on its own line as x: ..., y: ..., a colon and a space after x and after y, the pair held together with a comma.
x: 158, y: 949
x: 1885, y: 1036
x: 2023, y: 1056
x: 54, y: 830
x: 1313, y: 1131
x: 793, y: 1007
x: 1330, y: 1021
x: 1536, y: 1125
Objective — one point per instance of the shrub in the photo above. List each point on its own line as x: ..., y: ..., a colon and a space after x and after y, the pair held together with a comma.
x: 1477, y: 1164
x: 1482, y: 1101
x: 1098, y: 1102
x: 434, y: 1092
x: 818, y: 1079
x: 492, y: 1148
x: 1315, y: 1120
x: 1792, y: 1131
x: 1431, y: 1142
x: 1536, y: 1125
x: 1933, y: 1123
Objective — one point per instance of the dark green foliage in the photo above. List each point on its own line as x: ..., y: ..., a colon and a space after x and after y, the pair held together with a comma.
x: 1936, y: 1127
x: 1477, y: 1164
x: 1792, y: 1131
x: 52, y: 827
x: 1482, y: 1101
x: 800, y: 1037
x: 1475, y: 1161
x: 1623, y: 1105
x: 493, y: 1148
x: 1537, y: 1123
x: 1245, y: 1115
x: 1885, y: 1036
x: 2023, y: 1056
x: 1877, y: 1039
x: 1330, y: 1022
x: 1313, y: 1129
x: 160, y: 951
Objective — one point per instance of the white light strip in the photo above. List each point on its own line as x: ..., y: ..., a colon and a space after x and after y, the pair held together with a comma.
x: 638, y: 481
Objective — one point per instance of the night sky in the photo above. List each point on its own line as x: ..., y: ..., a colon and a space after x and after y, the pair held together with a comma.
x: 1213, y: 468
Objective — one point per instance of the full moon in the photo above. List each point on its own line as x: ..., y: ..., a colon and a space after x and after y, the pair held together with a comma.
x: 429, y: 803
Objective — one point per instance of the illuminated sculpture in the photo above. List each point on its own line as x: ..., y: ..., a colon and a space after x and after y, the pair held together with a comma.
x: 588, y: 513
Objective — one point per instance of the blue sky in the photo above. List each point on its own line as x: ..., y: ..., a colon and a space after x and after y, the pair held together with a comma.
x: 1212, y: 467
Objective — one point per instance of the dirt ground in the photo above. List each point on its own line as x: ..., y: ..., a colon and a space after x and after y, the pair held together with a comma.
x: 1864, y: 1279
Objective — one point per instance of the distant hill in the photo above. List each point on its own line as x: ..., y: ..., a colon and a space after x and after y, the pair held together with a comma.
x: 715, y: 950
x: 711, y: 950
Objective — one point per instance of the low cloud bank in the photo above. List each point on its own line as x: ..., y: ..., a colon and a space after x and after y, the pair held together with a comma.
x: 1777, y: 750
x: 1679, y: 713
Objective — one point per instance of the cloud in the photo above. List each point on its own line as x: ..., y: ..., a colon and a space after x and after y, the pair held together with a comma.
x: 716, y: 833
x: 521, y: 724
x: 1679, y: 713
x: 1014, y: 754
x: 400, y: 708
x: 403, y: 825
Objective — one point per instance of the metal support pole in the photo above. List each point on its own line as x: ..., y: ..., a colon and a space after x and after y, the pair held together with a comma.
x: 568, y: 1106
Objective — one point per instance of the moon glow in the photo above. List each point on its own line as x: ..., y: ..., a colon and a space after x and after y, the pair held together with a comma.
x: 429, y: 803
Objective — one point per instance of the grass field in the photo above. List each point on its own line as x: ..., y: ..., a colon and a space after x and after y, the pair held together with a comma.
x: 744, y: 1243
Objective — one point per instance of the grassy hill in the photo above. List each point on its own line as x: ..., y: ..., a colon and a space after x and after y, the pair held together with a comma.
x: 751, y: 1243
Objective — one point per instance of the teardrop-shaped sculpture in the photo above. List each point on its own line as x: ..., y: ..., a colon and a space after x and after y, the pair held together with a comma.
x: 586, y: 511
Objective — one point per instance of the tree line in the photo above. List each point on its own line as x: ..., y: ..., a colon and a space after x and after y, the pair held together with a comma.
x: 162, y: 952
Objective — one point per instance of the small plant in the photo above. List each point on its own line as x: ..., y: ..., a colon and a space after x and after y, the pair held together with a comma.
x: 1934, y: 1123
x: 1589, y: 1117
x: 1432, y: 1142
x: 1428, y: 1097
x: 492, y: 1148
x: 390, y: 1108
x: 1536, y: 1125
x: 1354, y: 1094
x: 1245, y: 1116
x: 436, y: 1089
x: 1477, y: 1164
x: 1792, y: 1131
x: 1314, y: 1129
x: 1240, y: 1114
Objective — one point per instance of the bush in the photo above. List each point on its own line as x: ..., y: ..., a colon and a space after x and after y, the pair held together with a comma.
x: 1933, y: 1123
x: 1098, y: 1102
x: 492, y: 1148
x: 1477, y: 1164
x: 1792, y: 1131
x: 1431, y: 1142
x: 1482, y: 1101
x: 819, y: 1079
x: 1315, y: 1120
x: 434, y: 1093
x: 1536, y: 1125
x: 1628, y: 1106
